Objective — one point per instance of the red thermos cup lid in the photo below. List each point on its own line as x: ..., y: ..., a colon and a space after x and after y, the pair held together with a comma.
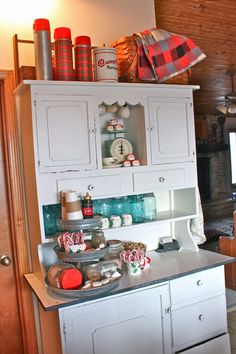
x: 84, y: 40
x: 41, y: 24
x: 71, y: 279
x: 62, y: 32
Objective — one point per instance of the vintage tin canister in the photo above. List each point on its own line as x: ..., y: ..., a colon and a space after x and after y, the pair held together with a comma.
x: 105, y: 64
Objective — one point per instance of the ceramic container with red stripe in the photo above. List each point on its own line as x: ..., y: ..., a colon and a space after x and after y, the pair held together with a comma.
x: 105, y: 64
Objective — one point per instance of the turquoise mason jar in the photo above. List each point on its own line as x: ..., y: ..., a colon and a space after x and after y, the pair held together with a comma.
x: 149, y: 202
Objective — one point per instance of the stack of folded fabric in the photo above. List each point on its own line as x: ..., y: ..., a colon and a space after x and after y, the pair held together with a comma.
x: 163, y: 55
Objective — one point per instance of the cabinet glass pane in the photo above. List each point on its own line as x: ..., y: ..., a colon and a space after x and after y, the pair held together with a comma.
x: 122, y: 129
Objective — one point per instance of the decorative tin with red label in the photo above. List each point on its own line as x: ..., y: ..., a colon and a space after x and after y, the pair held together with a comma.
x: 105, y: 64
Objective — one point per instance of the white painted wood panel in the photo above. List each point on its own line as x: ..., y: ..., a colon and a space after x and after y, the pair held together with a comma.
x: 130, y: 324
x: 219, y: 345
x: 99, y: 186
x: 157, y: 180
x: 65, y: 133
x: 171, y: 130
x: 198, y: 322
x: 197, y: 286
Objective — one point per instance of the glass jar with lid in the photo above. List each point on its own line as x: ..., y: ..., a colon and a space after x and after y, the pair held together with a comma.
x: 98, y: 239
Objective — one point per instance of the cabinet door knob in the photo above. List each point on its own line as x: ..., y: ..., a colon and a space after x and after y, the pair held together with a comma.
x: 5, y: 260
x: 91, y: 187
x: 199, y: 282
x: 161, y: 179
x: 201, y: 317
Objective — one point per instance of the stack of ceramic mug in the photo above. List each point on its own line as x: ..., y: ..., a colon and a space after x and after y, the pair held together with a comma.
x: 70, y: 205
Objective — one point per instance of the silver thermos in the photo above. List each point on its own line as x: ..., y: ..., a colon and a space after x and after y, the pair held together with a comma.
x: 42, y: 49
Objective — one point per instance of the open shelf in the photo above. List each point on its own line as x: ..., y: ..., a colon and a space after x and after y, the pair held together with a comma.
x: 134, y: 132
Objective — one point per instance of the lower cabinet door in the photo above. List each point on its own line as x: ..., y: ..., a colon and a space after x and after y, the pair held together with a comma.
x: 135, y: 323
x: 219, y: 345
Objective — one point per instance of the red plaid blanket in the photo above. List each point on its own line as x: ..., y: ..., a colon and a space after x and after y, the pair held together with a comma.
x: 162, y: 54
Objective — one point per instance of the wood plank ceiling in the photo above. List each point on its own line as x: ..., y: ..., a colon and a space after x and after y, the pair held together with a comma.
x: 211, y: 24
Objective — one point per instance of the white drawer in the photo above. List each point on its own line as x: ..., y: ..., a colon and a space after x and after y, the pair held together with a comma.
x: 159, y: 179
x: 196, y: 286
x: 97, y: 186
x: 217, y: 345
x: 199, y: 322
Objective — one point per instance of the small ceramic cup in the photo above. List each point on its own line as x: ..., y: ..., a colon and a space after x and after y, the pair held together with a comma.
x: 135, y: 163
x: 101, y: 109
x: 113, y: 122
x: 115, y: 221
x: 130, y: 157
x: 126, y: 163
x: 124, y: 111
x: 119, y: 127
x: 126, y: 219
x: 110, y: 128
x: 105, y: 223
x: 112, y: 108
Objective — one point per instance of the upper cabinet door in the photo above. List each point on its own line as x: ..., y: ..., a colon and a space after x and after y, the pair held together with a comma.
x: 171, y: 130
x: 65, y: 133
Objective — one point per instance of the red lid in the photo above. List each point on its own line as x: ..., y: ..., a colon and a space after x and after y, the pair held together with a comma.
x: 62, y: 32
x: 41, y: 24
x: 85, y: 40
x: 71, y: 279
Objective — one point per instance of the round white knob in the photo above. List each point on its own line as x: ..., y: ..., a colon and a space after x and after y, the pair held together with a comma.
x: 161, y: 179
x: 199, y: 282
x: 201, y: 317
x: 91, y: 187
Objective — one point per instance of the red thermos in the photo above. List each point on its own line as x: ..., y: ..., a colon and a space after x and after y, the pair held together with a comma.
x: 63, y: 54
x: 83, y: 59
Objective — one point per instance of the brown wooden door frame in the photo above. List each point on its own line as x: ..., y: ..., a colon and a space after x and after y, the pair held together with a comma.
x: 21, y: 257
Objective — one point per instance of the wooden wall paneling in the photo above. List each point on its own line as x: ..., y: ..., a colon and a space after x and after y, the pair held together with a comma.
x: 19, y: 233
x: 212, y: 25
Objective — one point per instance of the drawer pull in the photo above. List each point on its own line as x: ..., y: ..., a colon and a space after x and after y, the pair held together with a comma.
x: 91, y: 187
x: 161, y: 179
x: 199, y: 282
x: 201, y: 317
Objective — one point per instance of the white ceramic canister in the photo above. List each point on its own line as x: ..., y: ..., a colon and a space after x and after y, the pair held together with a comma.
x: 105, y: 64
x: 126, y: 219
x: 115, y: 221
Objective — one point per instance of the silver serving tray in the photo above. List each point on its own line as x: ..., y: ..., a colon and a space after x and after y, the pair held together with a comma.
x: 83, y: 224
x: 84, y: 256
x: 80, y: 294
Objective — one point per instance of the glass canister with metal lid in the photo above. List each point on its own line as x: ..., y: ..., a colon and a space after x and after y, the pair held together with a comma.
x: 98, y: 239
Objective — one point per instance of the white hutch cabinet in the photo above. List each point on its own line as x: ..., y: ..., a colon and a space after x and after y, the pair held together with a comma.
x: 63, y: 141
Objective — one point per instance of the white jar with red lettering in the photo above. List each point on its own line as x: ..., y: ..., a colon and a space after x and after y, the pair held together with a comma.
x: 105, y: 64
